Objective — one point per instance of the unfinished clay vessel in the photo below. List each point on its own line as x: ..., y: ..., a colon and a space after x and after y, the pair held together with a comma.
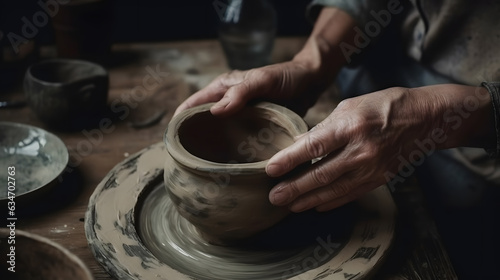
x: 215, y: 168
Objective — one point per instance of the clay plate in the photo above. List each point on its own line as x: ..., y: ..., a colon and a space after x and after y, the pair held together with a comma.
x: 135, y: 233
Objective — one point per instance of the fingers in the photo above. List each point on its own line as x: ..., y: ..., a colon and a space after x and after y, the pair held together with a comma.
x: 332, y: 195
x: 316, y: 143
x: 211, y: 93
x: 338, y: 177
x: 231, y: 91
x: 339, y: 201
x: 235, y: 99
x: 348, y: 187
x: 318, y: 175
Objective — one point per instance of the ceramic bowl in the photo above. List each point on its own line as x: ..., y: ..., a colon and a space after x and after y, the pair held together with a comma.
x: 35, y: 257
x: 31, y: 160
x: 215, y: 168
x: 65, y: 93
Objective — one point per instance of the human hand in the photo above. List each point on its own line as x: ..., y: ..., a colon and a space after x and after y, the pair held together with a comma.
x: 295, y: 84
x: 368, y: 138
x: 282, y: 83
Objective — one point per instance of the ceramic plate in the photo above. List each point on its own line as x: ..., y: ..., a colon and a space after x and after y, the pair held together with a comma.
x: 134, y: 233
x: 33, y: 157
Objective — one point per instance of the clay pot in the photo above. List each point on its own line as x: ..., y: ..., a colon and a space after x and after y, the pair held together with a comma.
x: 215, y: 168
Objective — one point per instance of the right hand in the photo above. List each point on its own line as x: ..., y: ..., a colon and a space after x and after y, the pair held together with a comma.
x: 368, y: 140
x: 290, y: 84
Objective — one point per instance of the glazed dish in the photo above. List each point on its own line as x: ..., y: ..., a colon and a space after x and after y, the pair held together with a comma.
x: 35, y: 155
x: 135, y: 232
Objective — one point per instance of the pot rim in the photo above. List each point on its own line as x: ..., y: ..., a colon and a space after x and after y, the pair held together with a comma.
x: 296, y: 126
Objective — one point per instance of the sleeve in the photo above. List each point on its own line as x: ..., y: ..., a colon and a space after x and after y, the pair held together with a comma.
x: 360, y: 10
x: 494, y: 90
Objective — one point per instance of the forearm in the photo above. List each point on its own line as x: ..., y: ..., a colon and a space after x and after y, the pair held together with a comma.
x: 464, y: 113
x: 462, y: 116
x: 321, y: 54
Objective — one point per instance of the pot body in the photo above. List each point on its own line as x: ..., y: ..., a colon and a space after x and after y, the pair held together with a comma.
x: 215, y: 168
x: 225, y: 208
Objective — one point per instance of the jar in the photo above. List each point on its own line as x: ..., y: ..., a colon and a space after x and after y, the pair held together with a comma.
x: 246, y: 32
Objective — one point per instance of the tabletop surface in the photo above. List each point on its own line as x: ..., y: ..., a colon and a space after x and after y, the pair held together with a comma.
x: 176, y: 70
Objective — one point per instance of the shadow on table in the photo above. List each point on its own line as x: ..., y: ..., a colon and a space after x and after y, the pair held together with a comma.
x: 61, y: 194
x: 417, y: 251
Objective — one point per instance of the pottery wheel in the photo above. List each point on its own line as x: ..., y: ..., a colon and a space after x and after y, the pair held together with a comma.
x: 135, y: 232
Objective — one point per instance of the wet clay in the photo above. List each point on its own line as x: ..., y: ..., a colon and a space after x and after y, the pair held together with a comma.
x: 244, y: 138
x: 215, y: 168
x: 135, y: 232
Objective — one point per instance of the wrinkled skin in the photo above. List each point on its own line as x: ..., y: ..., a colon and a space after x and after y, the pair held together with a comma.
x: 365, y: 140
x: 283, y: 83
x: 360, y: 141
x: 368, y: 139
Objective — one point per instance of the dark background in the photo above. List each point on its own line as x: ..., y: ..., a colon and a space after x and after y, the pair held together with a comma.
x: 156, y: 20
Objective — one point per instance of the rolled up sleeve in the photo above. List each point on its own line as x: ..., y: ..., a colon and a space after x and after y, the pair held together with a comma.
x: 359, y: 10
x: 494, y: 90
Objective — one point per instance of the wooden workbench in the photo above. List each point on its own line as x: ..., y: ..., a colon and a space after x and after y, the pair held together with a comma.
x: 139, y: 121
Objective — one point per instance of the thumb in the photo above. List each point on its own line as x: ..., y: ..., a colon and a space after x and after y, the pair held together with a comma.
x: 236, y: 97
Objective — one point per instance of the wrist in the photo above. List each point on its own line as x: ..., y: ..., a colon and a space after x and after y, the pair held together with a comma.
x: 463, y: 113
x: 321, y: 55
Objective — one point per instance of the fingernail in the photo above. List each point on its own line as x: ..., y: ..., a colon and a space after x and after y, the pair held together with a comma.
x: 221, y: 104
x: 217, y: 106
x: 280, y: 197
x: 274, y: 170
x: 295, y: 138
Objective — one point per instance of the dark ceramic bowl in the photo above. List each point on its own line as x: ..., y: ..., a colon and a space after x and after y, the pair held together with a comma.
x: 66, y: 92
x: 34, y: 257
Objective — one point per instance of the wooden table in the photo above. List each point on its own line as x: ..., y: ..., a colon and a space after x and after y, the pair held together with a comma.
x: 140, y: 118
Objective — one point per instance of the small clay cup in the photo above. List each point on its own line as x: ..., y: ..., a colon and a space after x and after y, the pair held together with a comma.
x: 66, y: 93
x: 215, y: 168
